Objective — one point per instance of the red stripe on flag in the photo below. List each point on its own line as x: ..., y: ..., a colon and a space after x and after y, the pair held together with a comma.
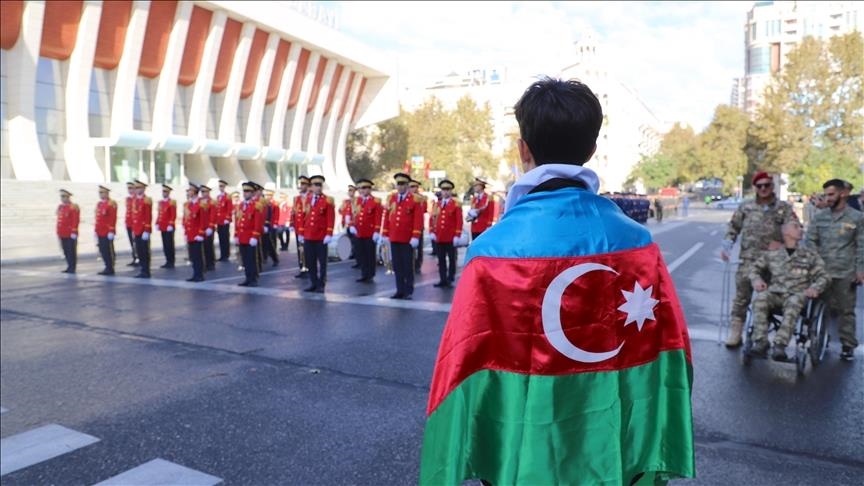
x: 497, y: 319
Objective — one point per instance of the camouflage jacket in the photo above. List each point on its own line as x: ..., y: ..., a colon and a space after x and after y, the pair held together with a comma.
x: 790, y: 274
x: 839, y: 239
x: 758, y: 225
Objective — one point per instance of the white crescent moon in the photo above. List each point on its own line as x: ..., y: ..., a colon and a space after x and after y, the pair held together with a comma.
x: 551, y: 313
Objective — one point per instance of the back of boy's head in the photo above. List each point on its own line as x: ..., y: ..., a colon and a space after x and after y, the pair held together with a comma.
x: 559, y: 121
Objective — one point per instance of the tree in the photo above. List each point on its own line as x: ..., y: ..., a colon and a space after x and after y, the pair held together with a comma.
x: 820, y: 165
x: 680, y: 145
x: 722, y: 146
x: 655, y: 172
x: 376, y: 152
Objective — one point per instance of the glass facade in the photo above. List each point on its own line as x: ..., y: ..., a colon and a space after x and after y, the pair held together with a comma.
x: 758, y: 60
x: 167, y: 168
x: 126, y: 164
x: 6, y: 171
x: 99, y: 105
x: 50, y: 122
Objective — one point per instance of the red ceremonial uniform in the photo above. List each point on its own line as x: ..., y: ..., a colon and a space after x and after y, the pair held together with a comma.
x: 130, y: 202
x: 208, y: 212
x: 68, y: 217
x: 167, y: 214
x: 298, y: 211
x: 346, y: 212
x: 193, y: 221
x: 402, y: 220
x: 320, y: 218
x: 248, y: 221
x: 284, y: 214
x: 482, y: 203
x: 142, y: 215
x: 106, y: 218
x: 367, y: 216
x: 447, y: 220
x: 224, y: 207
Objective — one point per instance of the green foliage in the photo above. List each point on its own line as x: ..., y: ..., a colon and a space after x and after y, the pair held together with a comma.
x: 655, y: 172
x: 822, y: 164
x: 721, y: 147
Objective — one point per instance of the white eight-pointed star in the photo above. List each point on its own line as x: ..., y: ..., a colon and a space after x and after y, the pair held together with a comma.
x: 639, y: 305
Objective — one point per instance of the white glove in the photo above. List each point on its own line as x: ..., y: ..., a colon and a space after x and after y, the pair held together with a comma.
x: 156, y: 228
x: 110, y: 236
x: 376, y: 237
x: 253, y: 242
x: 227, y: 221
x: 199, y: 238
x: 291, y: 228
x: 96, y: 236
x: 348, y: 219
x: 433, y: 237
x: 74, y: 236
x: 236, y: 240
x: 473, y: 213
x: 266, y: 230
x: 328, y: 239
x: 145, y: 236
x: 169, y: 228
x: 208, y: 232
x: 414, y: 242
x: 301, y: 239
x: 456, y: 241
x: 352, y: 230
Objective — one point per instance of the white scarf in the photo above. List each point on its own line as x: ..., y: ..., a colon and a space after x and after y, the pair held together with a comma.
x: 545, y: 172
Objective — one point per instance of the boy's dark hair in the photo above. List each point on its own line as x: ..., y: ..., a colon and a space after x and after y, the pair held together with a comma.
x: 559, y: 121
x: 840, y: 184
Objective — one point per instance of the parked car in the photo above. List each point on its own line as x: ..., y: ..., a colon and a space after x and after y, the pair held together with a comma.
x: 728, y: 203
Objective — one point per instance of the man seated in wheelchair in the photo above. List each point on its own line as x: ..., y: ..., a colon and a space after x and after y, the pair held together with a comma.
x: 795, y: 273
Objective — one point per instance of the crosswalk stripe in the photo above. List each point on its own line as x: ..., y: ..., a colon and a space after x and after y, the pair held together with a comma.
x: 161, y: 472
x: 37, y: 445
x: 3, y: 410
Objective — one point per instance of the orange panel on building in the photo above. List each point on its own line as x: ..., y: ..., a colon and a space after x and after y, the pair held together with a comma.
x: 196, y: 37
x: 60, y: 28
x: 302, y: 64
x: 333, y: 85
x: 160, y: 20
x: 230, y: 40
x: 316, y: 86
x: 10, y: 22
x: 256, y: 52
x: 278, y: 68
x: 112, y: 33
x: 347, y: 96
x: 359, y: 97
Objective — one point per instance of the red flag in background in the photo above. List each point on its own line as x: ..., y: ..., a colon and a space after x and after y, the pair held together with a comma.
x: 406, y: 167
x: 426, y: 168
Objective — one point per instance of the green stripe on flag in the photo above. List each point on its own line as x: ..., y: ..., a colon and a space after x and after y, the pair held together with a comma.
x: 586, y: 428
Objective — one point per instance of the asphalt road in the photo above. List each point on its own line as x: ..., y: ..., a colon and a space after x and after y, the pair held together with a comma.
x: 274, y: 386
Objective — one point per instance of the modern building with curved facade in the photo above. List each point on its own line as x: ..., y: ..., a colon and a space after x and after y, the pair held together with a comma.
x: 170, y: 91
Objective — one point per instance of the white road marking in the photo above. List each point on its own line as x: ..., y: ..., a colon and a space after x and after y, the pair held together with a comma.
x: 713, y: 233
x: 3, y: 410
x: 683, y: 258
x: 37, y: 445
x: 161, y: 472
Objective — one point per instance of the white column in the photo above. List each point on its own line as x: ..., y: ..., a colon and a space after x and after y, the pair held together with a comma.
x: 317, y: 115
x: 259, y: 95
x: 296, y: 140
x: 24, y: 152
x: 339, y: 162
x: 277, y: 129
x: 228, y: 121
x: 81, y: 161
x: 166, y: 90
x: 330, y: 129
x: 127, y: 70
x: 204, y: 82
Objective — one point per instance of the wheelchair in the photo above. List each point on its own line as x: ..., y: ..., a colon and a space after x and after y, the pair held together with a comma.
x: 810, y: 334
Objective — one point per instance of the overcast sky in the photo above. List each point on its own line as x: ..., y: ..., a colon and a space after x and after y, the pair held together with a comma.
x: 680, y: 57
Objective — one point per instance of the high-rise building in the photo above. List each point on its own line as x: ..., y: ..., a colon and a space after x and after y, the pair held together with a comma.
x: 774, y: 29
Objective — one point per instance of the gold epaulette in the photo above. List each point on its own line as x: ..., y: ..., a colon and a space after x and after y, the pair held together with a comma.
x: 377, y: 200
x: 113, y: 203
x: 75, y: 207
x: 330, y: 200
x: 172, y: 202
x: 418, y: 198
x: 204, y: 203
x: 148, y: 200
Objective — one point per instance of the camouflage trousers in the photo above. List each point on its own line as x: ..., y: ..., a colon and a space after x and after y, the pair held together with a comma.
x: 840, y: 300
x: 767, y: 302
x: 743, y: 291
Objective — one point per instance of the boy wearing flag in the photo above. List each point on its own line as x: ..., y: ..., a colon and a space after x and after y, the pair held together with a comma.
x: 565, y: 358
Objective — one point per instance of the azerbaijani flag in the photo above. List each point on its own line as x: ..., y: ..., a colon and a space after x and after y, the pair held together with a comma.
x: 565, y: 358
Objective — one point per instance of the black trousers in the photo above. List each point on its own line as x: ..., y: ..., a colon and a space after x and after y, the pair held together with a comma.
x: 224, y: 242
x: 403, y: 267
x: 418, y: 258
x: 106, y: 250
x: 132, y: 243
x: 168, y: 247
x: 284, y: 238
x: 269, y: 245
x: 365, y: 252
x: 446, y: 270
x: 209, y: 253
x: 196, y: 256
x: 316, y: 262
x: 353, y: 239
x: 249, y: 255
x: 434, y: 248
x: 301, y: 262
x: 143, y: 249
x: 70, y: 251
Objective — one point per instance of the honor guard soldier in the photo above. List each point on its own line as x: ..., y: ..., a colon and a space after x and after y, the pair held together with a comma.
x: 346, y: 214
x: 166, y: 217
x: 130, y: 198
x: 317, y: 233
x: 224, y: 209
x: 209, y: 218
x: 480, y: 214
x: 298, y: 212
x: 403, y: 222
x: 142, y: 218
x: 247, y: 231
x: 271, y: 221
x: 366, y: 229
x: 414, y: 188
x: 284, y: 222
x: 194, y: 226
x: 106, y: 228
x: 447, y: 231
x: 68, y: 217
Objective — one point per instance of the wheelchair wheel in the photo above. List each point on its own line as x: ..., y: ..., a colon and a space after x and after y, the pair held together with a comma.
x: 800, y: 358
x: 818, y: 332
x: 747, y: 339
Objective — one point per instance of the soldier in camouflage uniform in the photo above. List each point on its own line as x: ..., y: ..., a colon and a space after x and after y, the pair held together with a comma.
x: 795, y: 275
x: 837, y: 233
x: 758, y: 224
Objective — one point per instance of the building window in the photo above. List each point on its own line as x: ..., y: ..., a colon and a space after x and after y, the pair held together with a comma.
x: 125, y: 164
x: 759, y: 60
x: 50, y: 122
